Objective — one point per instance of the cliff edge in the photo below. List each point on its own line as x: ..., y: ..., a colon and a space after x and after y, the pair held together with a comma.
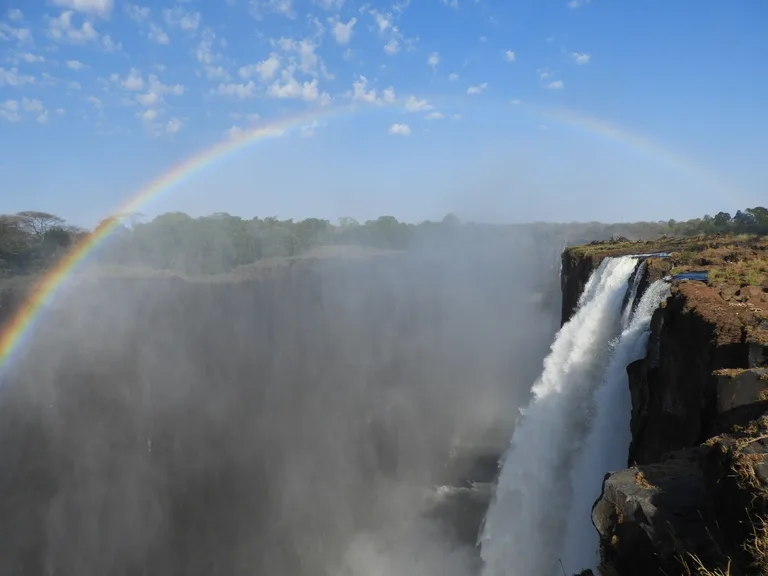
x: 694, y: 499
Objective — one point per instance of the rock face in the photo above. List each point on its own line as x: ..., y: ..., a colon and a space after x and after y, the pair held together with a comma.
x: 695, y: 496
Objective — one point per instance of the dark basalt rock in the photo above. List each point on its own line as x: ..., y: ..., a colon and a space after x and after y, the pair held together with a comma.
x: 695, y: 498
x: 650, y: 516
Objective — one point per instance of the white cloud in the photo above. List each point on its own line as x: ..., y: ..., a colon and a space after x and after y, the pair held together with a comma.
x: 516, y: 102
x: 456, y: 117
x: 147, y: 115
x: 137, y: 13
x: 234, y: 132
x: 400, y: 130
x: 309, y: 130
x: 110, y: 45
x: 238, y: 131
x: 61, y: 28
x: 11, y: 77
x: 20, y: 35
x: 99, y: 7
x: 389, y: 30
x: 190, y: 22
x: 156, y: 91
x: 342, y: 32
x: 60, y: 112
x: 47, y: 79
x: 173, y: 126
x: 266, y: 69
x: 74, y: 85
x: 304, y: 49
x: 329, y: 4
x: 241, y: 91
x: 288, y: 87
x: 260, y: 8
x: 555, y: 85
x: 434, y: 116
x: 9, y: 110
x: 149, y: 99
x: 452, y: 77
x: 75, y: 65
x: 573, y: 4
x: 510, y: 56
x: 32, y: 105
x: 388, y: 95
x: 180, y: 18
x: 95, y: 102
x: 434, y: 59
x: 360, y: 93
x: 412, y: 104
x: 204, y: 51
x: 15, y: 14
x: 32, y: 58
x: 157, y: 34
x: 208, y: 58
x: 451, y: 3
x: 392, y: 47
x: 581, y: 57
x: 383, y: 21
x: 479, y: 89
x: 133, y: 81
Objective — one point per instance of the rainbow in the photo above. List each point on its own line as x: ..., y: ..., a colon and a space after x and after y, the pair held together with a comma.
x: 19, y: 327
x: 638, y: 142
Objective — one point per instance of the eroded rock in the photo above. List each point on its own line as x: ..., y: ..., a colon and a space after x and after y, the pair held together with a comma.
x: 650, y: 516
x: 742, y: 395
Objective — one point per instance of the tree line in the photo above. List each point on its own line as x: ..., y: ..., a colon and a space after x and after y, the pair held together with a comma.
x: 30, y: 241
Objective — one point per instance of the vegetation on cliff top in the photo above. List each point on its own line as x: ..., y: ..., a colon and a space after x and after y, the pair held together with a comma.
x: 30, y: 241
x: 732, y: 261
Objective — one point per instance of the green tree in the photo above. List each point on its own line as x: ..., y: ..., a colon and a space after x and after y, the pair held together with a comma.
x: 722, y: 219
x: 38, y: 223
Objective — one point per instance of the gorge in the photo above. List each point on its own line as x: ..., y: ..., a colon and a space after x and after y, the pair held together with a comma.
x: 344, y: 415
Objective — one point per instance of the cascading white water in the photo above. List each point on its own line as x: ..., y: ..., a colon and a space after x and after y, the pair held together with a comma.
x: 605, y: 448
x: 629, y: 305
x: 524, y: 527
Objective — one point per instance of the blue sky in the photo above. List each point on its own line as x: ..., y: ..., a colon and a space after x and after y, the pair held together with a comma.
x: 496, y: 110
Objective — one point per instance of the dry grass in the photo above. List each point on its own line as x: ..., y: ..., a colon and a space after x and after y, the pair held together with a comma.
x: 737, y: 260
x: 744, y: 466
x: 693, y: 566
x: 757, y: 546
x: 642, y: 481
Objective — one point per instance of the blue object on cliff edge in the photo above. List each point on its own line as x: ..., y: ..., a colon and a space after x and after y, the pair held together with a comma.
x: 696, y: 275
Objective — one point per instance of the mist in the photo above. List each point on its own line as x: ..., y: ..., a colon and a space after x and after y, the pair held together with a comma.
x: 303, y: 416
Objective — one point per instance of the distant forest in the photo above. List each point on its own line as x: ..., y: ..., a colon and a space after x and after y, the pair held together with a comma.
x: 32, y: 241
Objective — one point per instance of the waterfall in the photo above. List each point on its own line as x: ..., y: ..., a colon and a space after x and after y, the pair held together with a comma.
x: 606, y: 445
x: 525, y: 526
x: 629, y: 305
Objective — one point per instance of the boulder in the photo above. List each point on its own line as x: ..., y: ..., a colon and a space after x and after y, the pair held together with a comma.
x: 652, y: 517
x: 736, y: 472
x: 742, y: 395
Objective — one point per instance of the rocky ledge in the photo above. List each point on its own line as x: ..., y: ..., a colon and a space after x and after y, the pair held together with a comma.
x: 694, y: 499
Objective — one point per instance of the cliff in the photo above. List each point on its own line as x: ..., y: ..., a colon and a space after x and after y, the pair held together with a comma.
x: 695, y: 496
